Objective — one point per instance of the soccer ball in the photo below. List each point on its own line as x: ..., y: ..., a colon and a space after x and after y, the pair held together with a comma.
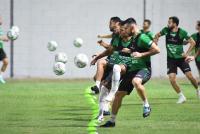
x: 59, y: 68
x: 13, y: 33
x: 52, y: 45
x: 61, y: 57
x: 81, y: 60
x: 78, y: 42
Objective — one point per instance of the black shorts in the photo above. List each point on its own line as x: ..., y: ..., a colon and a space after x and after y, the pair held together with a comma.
x: 197, y: 64
x: 2, y: 54
x: 126, y: 83
x: 173, y: 64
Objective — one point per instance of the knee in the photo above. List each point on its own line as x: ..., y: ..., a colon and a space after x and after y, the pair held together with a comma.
x: 172, y: 79
x: 119, y: 96
x: 5, y: 62
x: 137, y: 83
x: 116, y: 68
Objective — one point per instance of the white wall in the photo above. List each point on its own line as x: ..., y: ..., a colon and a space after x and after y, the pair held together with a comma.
x: 64, y: 20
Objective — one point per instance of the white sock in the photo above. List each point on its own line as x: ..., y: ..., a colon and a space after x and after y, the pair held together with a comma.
x: 103, y: 105
x: 113, y: 118
x: 180, y: 94
x: 115, y: 79
x: 146, y: 103
x: 98, y: 83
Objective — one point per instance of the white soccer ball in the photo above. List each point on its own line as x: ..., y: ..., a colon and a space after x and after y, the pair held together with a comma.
x: 78, y: 42
x: 13, y: 33
x: 59, y: 68
x: 81, y: 60
x: 52, y: 45
x: 61, y: 57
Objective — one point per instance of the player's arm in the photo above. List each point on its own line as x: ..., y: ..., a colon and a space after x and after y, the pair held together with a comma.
x: 154, y: 49
x: 192, y: 45
x: 103, y: 44
x: 161, y: 33
x: 108, y: 36
x: 4, y: 38
x: 107, y: 52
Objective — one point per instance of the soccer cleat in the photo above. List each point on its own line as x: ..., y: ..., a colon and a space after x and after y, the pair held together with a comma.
x: 106, y: 113
x: 2, y: 80
x: 95, y: 90
x: 198, y: 93
x: 181, y: 99
x: 146, y: 111
x: 108, y: 124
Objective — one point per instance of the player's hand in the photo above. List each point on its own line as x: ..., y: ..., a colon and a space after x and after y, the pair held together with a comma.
x: 184, y: 55
x: 136, y: 55
x: 189, y: 58
x: 93, y: 62
x: 155, y: 40
x: 98, y: 36
x: 126, y: 50
x: 100, y: 42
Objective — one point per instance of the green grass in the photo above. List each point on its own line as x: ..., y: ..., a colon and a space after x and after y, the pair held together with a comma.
x: 59, y: 107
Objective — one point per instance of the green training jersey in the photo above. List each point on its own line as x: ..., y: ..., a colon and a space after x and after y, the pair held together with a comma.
x: 196, y: 38
x: 148, y: 33
x: 141, y: 43
x: 1, y: 42
x: 119, y: 57
x: 174, y: 42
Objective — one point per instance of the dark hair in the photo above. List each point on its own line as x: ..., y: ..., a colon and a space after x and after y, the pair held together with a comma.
x: 148, y: 21
x: 198, y: 23
x: 174, y: 19
x: 115, y: 19
x: 129, y: 21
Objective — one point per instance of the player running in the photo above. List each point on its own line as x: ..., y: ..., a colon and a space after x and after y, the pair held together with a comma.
x: 3, y: 57
x: 138, y: 73
x: 176, y: 55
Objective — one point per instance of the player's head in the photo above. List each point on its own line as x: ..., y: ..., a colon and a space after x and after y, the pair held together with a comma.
x: 127, y: 27
x: 198, y: 26
x: 173, y: 22
x: 1, y: 20
x: 115, y: 24
x: 146, y: 24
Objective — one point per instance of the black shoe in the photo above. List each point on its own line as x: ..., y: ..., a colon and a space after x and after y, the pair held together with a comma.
x: 108, y: 124
x: 146, y: 111
x: 106, y: 113
x: 95, y: 89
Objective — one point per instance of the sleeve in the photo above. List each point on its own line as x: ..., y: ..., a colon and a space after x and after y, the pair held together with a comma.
x: 194, y: 37
x: 185, y: 34
x: 164, y: 31
x: 151, y: 35
x: 145, y: 42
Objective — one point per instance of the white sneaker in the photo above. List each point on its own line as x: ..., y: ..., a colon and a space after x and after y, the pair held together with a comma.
x: 181, y: 99
x: 2, y: 80
x: 198, y: 93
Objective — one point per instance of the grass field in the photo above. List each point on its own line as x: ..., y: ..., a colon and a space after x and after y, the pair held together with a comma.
x: 59, y: 107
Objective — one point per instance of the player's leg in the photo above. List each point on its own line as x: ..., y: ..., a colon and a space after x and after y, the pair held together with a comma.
x: 101, y: 65
x: 185, y: 67
x: 138, y: 81
x: 117, y: 71
x: 4, y: 60
x: 172, y: 79
x: 115, y: 108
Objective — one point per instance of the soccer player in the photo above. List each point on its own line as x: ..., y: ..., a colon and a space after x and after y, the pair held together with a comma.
x: 176, y: 55
x: 119, y: 58
x: 146, y: 29
x: 3, y: 57
x: 114, y: 26
x: 138, y: 73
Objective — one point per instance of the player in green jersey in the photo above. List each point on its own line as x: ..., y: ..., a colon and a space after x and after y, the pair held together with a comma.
x: 146, y: 29
x: 176, y: 55
x: 3, y: 57
x: 137, y: 74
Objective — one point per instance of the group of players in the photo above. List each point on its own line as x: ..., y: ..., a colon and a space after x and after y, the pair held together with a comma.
x: 128, y: 62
